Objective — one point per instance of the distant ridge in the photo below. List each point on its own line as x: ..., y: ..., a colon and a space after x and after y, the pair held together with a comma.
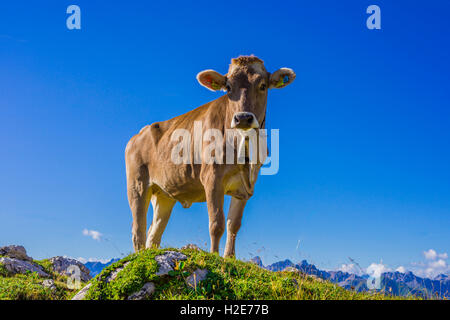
x: 95, y: 267
x: 396, y: 283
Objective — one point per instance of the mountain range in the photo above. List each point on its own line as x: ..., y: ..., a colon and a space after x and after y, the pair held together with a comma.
x: 95, y: 267
x: 396, y: 283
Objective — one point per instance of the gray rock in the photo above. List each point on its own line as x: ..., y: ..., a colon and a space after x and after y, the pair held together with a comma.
x: 113, y: 275
x: 197, y: 276
x: 16, y: 252
x: 291, y: 269
x: 191, y: 246
x: 82, y: 293
x: 145, y: 293
x: 314, y: 277
x: 166, y: 261
x: 67, y: 266
x: 48, y: 283
x: 18, y: 266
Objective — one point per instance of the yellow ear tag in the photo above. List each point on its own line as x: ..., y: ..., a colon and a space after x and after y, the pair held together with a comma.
x: 280, y: 83
x: 215, y: 85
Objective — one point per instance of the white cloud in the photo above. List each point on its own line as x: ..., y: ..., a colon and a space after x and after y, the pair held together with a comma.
x: 376, y: 269
x: 81, y: 259
x: 438, y: 264
x: 84, y: 260
x: 430, y: 254
x: 96, y: 235
x: 350, y: 268
x: 443, y: 255
x: 435, y: 264
x: 401, y: 269
x: 433, y: 255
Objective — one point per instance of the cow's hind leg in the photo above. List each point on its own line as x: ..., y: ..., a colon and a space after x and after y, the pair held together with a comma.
x: 139, y: 199
x: 162, y: 208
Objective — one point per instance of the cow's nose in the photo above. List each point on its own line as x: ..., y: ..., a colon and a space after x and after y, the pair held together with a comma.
x: 243, y: 120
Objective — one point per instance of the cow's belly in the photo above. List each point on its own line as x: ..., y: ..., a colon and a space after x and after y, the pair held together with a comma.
x: 190, y: 193
x: 187, y: 190
x: 185, y: 193
x: 180, y: 183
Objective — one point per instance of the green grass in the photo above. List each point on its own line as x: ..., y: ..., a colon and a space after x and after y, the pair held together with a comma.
x: 3, y: 271
x: 227, y: 279
x: 29, y: 286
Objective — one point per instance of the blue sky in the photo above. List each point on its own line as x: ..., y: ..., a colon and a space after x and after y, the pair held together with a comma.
x: 364, y: 129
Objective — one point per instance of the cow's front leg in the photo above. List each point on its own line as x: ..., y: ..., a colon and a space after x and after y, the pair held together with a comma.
x: 214, y: 200
x: 233, y: 224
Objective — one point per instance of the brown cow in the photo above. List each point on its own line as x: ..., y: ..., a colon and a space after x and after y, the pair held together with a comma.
x: 153, y: 176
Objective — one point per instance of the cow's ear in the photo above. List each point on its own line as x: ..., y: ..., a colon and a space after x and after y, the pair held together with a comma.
x: 212, y: 80
x: 281, y: 78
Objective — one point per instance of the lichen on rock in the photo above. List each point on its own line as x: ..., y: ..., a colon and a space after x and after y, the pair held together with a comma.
x: 115, y: 273
x: 166, y: 261
x: 197, y: 276
x: 145, y: 293
x: 67, y: 267
x: 15, y: 266
x: 82, y: 293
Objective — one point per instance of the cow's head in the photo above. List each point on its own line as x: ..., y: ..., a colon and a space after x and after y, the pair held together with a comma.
x: 246, y: 83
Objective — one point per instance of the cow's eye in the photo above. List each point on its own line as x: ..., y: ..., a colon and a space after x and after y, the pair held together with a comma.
x: 228, y: 88
x: 263, y: 87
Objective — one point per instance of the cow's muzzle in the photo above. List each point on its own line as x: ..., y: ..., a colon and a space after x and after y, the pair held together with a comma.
x: 244, y: 121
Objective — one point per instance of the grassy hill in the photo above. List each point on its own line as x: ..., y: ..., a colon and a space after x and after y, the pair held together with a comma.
x: 30, y: 286
x: 225, y: 279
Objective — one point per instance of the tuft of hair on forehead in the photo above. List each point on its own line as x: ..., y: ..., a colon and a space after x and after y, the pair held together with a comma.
x: 247, y: 64
x: 246, y: 60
